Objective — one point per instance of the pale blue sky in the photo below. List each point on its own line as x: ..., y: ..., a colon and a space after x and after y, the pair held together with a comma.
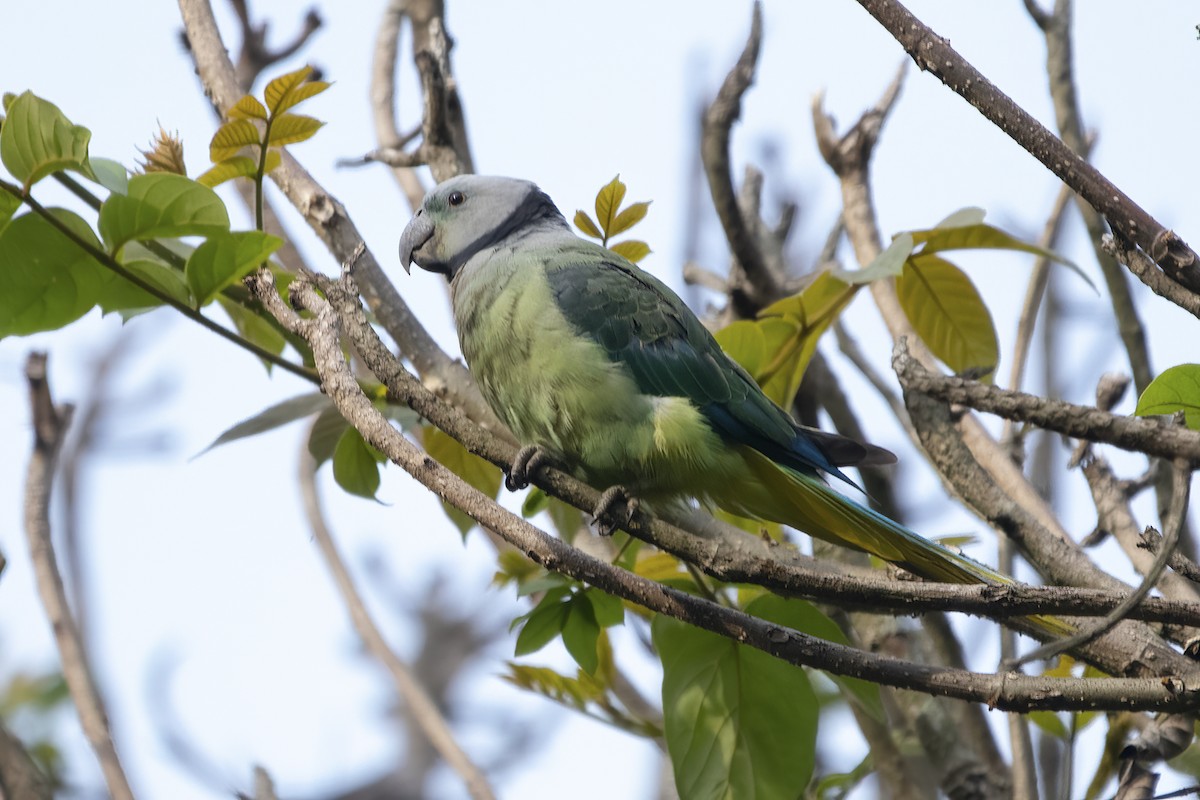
x: 210, y: 560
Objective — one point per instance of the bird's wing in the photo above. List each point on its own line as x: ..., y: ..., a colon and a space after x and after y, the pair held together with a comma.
x: 643, y: 325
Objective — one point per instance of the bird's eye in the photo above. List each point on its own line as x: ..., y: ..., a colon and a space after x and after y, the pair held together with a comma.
x: 456, y: 198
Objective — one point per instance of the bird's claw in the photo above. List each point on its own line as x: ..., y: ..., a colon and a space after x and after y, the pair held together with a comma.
x: 528, y: 460
x: 615, y: 509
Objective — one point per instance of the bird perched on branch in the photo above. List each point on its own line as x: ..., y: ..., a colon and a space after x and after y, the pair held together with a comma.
x: 601, y: 369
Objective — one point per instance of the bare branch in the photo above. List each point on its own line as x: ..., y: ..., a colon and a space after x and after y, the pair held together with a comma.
x: 1141, y: 266
x: 383, y: 100
x: 934, y: 54
x: 1155, y: 436
x: 714, y: 151
x: 50, y: 423
x: 420, y: 705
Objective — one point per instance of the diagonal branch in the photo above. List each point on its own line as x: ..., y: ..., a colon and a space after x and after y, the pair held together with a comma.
x: 1009, y: 692
x: 934, y: 54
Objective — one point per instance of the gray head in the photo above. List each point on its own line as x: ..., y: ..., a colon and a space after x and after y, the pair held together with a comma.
x: 470, y: 213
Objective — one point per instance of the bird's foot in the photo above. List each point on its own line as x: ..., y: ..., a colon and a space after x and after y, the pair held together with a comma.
x: 528, y: 460
x: 614, y: 510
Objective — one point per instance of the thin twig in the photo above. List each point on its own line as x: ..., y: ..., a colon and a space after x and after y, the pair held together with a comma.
x: 419, y: 704
x: 1152, y: 540
x: 50, y: 424
x: 1175, y: 517
x: 1146, y: 271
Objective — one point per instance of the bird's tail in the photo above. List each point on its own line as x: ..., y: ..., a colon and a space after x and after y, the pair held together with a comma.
x: 806, y: 503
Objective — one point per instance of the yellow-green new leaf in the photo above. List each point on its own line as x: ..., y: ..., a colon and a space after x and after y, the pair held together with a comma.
x: 248, y: 108
x: 888, y: 264
x: 608, y: 201
x: 483, y: 475
x: 231, y: 137
x: 37, y: 140
x: 237, y: 167
x: 290, y: 89
x: 230, y: 168
x: 948, y: 314
x: 1176, y: 389
x: 292, y: 128
x: 585, y: 224
x: 631, y: 249
x: 629, y: 217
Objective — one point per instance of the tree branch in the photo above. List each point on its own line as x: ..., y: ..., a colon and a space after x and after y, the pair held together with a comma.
x: 1008, y: 692
x: 1154, y: 436
x: 935, y: 55
x: 383, y: 97
x: 714, y: 152
x: 50, y: 423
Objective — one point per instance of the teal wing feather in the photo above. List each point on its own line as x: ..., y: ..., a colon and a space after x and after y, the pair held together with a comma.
x: 646, y: 327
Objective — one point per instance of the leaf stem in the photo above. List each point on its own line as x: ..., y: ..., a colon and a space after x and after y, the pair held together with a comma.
x: 183, y: 308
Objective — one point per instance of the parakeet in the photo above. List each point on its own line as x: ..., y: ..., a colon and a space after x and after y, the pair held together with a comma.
x: 608, y: 373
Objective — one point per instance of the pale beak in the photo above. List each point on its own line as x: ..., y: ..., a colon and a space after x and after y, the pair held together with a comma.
x: 418, y: 232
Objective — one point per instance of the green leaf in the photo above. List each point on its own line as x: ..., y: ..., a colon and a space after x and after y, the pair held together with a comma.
x: 226, y: 258
x: 1051, y: 723
x: 631, y: 249
x: 739, y: 723
x: 46, y: 280
x: 256, y: 326
x: 248, y: 108
x: 123, y: 295
x: 110, y: 174
x: 778, y: 346
x: 290, y: 89
x: 631, y: 216
x: 8, y: 206
x: 326, y: 432
x: 227, y: 170
x: 581, y: 632
x: 231, y: 137
x: 585, y: 224
x: 290, y: 410
x: 949, y: 315
x: 37, y: 140
x: 1175, y: 389
x: 888, y: 264
x: 805, y: 617
x: 161, y: 205
x: 483, y: 475
x: 544, y: 623
x: 965, y: 230
x: 608, y: 201
x: 610, y: 610
x: 535, y: 502
x: 292, y: 128
x: 355, y: 465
